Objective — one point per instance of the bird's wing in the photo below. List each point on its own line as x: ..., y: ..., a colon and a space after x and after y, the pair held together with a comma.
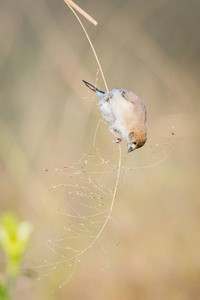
x: 129, y: 96
x: 135, y: 100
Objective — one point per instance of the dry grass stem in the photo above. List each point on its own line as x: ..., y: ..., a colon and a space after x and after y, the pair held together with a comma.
x: 91, y: 45
x: 70, y: 3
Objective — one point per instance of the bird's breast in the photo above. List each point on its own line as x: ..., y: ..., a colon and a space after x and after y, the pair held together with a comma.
x: 107, y: 113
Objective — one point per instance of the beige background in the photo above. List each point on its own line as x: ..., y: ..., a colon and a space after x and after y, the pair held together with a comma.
x: 48, y: 119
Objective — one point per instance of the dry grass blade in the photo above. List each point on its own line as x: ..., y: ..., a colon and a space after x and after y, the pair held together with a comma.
x: 70, y: 3
x: 91, y: 45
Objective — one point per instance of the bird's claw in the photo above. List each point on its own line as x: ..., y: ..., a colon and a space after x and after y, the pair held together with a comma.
x: 118, y: 140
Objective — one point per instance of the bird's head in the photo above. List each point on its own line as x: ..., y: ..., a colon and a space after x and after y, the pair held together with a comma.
x: 136, y: 139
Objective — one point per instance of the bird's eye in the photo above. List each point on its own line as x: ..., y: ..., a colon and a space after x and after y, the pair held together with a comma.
x: 135, y: 143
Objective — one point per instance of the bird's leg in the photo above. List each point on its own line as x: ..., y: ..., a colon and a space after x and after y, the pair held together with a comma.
x: 118, y: 140
x: 114, y: 131
x: 106, y: 97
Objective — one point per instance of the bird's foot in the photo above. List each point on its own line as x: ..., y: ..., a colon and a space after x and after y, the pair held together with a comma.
x: 118, y: 140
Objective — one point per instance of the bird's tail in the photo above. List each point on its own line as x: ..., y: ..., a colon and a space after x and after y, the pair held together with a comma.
x: 92, y: 87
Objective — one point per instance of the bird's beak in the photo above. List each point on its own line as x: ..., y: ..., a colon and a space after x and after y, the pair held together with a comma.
x: 130, y: 148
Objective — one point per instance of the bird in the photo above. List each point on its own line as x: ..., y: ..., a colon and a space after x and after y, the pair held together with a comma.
x: 125, y: 113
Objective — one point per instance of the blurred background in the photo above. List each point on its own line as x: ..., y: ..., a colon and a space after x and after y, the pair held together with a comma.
x: 48, y: 120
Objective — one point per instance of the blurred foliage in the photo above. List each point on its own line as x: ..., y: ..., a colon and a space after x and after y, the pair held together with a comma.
x: 48, y: 119
x: 14, y: 239
x: 4, y: 294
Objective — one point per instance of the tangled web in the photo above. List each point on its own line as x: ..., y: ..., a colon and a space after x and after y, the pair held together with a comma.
x: 83, y: 205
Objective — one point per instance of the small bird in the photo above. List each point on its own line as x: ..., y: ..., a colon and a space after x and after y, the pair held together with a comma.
x: 125, y: 113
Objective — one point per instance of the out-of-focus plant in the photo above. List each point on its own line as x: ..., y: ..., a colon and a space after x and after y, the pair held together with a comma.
x: 14, y: 239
